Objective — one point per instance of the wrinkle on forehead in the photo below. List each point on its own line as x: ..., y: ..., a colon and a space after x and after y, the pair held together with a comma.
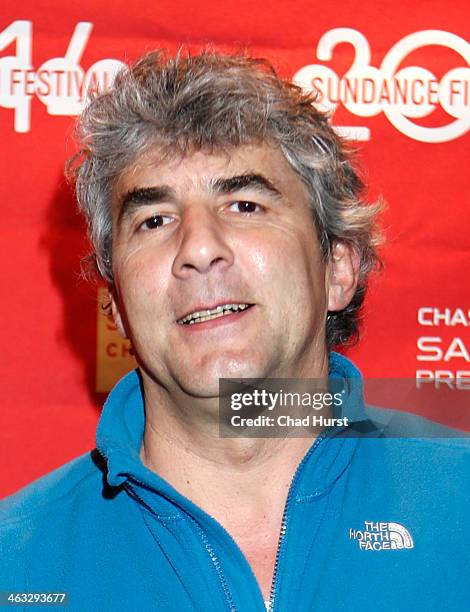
x: 205, y: 173
x: 159, y: 154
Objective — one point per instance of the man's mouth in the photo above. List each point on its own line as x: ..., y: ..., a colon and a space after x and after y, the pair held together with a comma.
x: 207, y: 315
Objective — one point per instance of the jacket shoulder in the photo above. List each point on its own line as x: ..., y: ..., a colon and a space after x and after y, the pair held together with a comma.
x: 46, y: 494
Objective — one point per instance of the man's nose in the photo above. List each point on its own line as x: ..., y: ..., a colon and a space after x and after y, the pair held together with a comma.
x: 203, y: 245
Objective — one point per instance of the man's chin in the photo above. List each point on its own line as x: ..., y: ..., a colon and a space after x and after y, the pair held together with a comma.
x: 206, y: 384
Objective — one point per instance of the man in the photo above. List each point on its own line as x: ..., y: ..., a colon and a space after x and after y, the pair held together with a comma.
x: 227, y: 219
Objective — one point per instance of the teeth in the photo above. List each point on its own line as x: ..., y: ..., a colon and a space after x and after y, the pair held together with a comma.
x: 207, y: 315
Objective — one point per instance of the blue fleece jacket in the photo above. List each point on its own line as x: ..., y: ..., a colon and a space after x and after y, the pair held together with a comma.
x: 370, y: 524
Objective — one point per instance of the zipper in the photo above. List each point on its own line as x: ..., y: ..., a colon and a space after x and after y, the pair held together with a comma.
x: 210, y: 551
x: 218, y: 568
x: 284, y: 523
x: 285, y: 519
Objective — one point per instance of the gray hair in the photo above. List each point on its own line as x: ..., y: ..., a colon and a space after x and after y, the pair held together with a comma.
x: 213, y: 102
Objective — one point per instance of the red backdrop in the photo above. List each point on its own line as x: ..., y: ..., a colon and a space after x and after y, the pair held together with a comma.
x: 398, y: 78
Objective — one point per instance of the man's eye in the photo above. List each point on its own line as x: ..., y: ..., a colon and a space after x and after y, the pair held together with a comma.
x: 155, y: 222
x: 245, y: 207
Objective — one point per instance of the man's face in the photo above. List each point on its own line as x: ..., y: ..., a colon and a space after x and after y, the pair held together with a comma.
x: 203, y: 232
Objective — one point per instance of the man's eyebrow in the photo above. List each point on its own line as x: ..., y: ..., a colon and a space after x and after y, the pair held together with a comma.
x: 247, y: 180
x: 140, y: 196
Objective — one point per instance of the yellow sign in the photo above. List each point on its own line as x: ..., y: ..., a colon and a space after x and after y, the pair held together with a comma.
x: 114, y: 356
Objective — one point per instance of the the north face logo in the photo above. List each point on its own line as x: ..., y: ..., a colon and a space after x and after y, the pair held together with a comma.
x: 382, y: 536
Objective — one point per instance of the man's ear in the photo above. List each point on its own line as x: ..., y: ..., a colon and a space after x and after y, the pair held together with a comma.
x: 116, y: 313
x: 343, y: 275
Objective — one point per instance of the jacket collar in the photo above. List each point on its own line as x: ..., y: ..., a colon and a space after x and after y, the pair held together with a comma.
x: 121, y: 428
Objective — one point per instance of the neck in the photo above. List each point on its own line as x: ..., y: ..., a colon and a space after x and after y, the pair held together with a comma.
x: 219, y: 474
x: 242, y: 483
x: 182, y: 444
